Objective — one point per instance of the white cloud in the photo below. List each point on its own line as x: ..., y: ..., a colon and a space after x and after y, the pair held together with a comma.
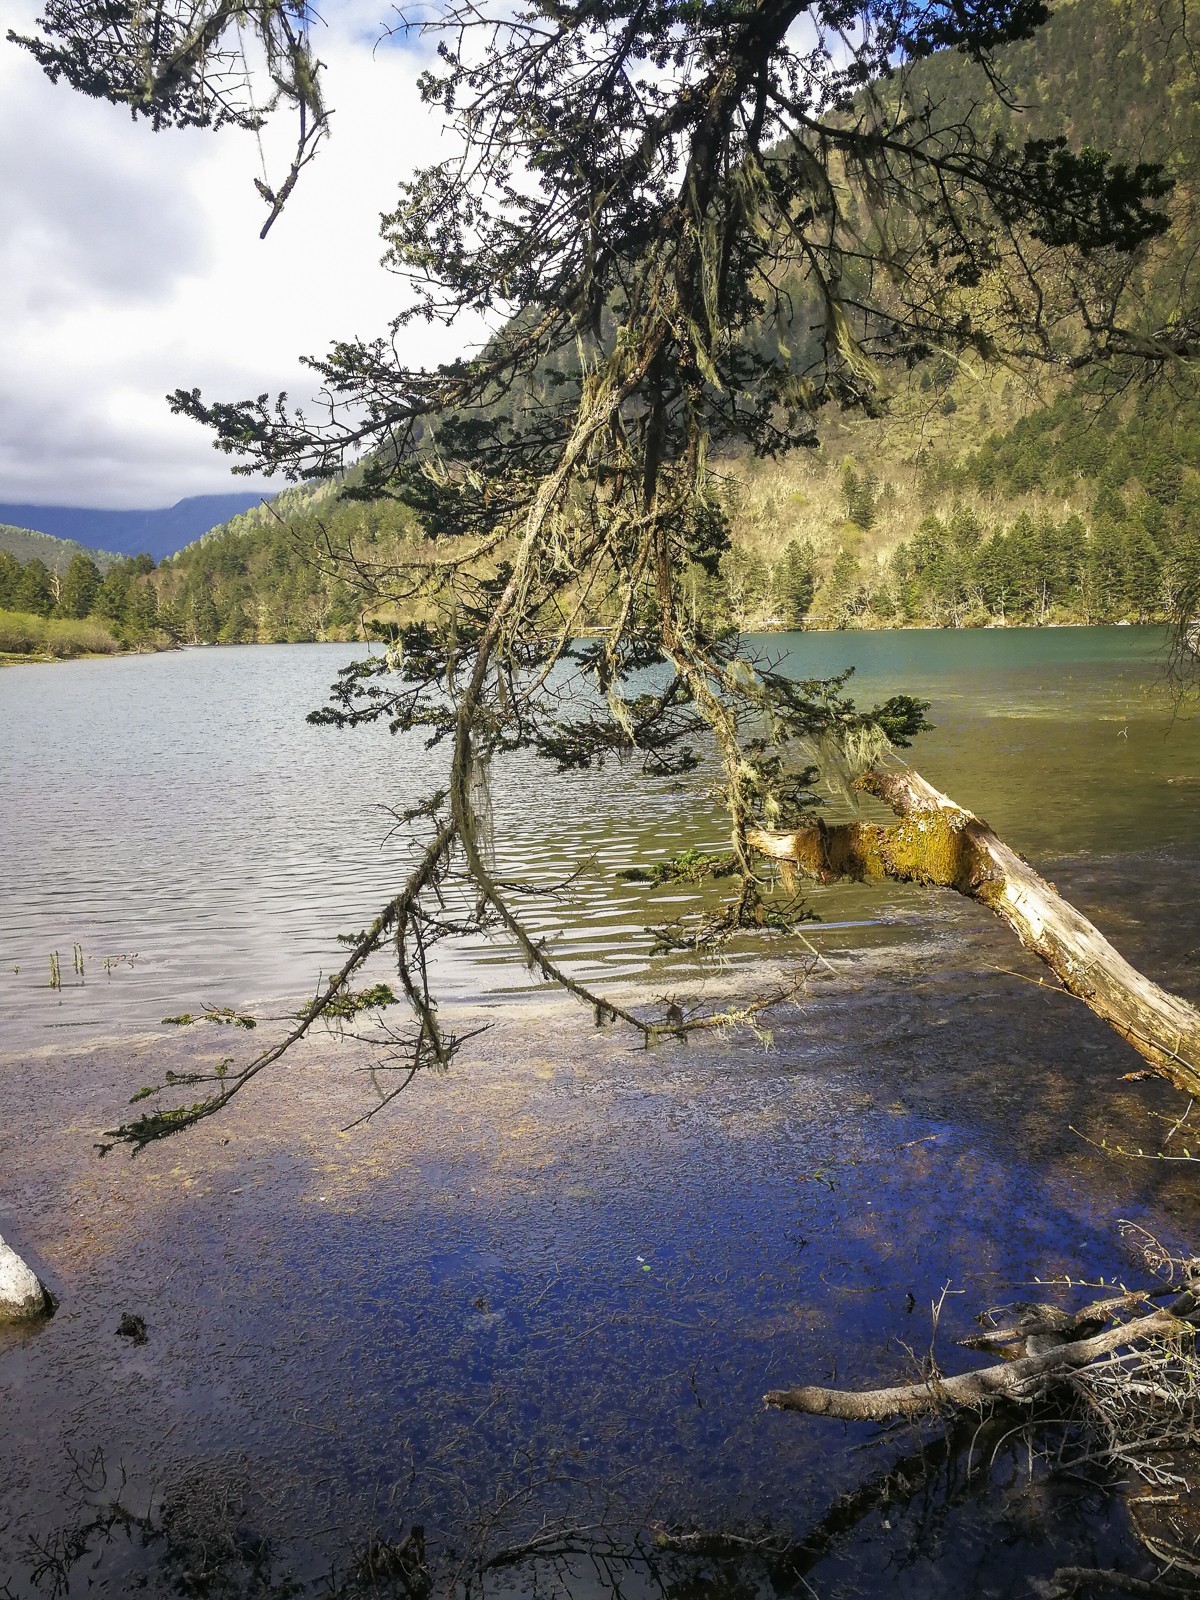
x: 130, y: 264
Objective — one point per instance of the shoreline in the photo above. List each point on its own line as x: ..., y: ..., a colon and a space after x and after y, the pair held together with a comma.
x: 10, y: 659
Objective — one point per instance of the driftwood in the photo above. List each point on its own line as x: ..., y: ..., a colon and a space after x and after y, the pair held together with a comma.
x: 1069, y: 1581
x: 938, y: 844
x: 1020, y: 1380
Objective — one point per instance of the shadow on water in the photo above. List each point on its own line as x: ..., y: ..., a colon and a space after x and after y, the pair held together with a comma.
x: 546, y: 1297
x: 963, y: 1512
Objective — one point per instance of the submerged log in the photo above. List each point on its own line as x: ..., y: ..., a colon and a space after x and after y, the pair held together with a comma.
x: 939, y: 844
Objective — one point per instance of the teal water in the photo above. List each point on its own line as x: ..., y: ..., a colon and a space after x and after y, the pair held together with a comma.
x: 175, y: 817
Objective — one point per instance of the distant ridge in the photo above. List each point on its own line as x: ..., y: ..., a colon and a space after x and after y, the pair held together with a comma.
x: 128, y: 533
x: 28, y: 544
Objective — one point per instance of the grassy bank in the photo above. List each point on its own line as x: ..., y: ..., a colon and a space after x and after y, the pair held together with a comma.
x: 25, y: 637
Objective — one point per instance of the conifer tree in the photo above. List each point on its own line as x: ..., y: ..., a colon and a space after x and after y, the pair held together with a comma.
x: 79, y: 586
x: 1143, y: 574
x: 841, y: 597
x: 859, y: 494
x: 1105, y: 571
x: 10, y: 580
x: 995, y: 575
x: 112, y: 594
x: 793, y: 583
x: 35, y: 591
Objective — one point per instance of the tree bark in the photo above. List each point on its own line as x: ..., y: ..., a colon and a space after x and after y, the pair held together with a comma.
x: 939, y: 844
x: 1020, y: 1380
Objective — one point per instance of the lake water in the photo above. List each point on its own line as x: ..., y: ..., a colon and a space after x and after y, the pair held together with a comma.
x: 541, y: 1298
x: 176, y: 819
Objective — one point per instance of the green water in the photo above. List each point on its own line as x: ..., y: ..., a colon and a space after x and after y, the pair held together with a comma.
x: 1067, y: 739
x: 175, y: 816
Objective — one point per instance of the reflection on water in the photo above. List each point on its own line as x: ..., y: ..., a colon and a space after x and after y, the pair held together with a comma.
x: 202, y: 1539
x: 176, y: 818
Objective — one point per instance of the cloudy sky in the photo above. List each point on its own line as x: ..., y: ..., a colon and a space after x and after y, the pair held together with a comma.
x: 130, y: 264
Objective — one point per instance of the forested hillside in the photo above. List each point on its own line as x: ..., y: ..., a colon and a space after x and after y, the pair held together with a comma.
x: 982, y: 497
x: 1071, y: 511
x: 1075, y: 512
x: 1008, y: 496
x: 78, y: 610
x: 55, y: 554
x: 268, y: 574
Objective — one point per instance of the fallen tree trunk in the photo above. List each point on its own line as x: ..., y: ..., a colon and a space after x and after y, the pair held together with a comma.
x: 938, y: 844
x: 1020, y: 1380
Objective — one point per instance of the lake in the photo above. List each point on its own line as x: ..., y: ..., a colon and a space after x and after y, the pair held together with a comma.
x: 533, y: 1308
x: 176, y: 819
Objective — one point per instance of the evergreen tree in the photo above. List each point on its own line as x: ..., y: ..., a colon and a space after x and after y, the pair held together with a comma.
x: 1161, y: 473
x: 860, y: 494
x: 1073, y: 539
x: 35, y: 591
x: 203, y: 622
x: 80, y: 584
x: 234, y: 628
x: 10, y: 580
x: 747, y: 585
x: 1021, y: 543
x: 171, y: 621
x: 113, y: 593
x: 1143, y: 574
x: 140, y: 622
x: 842, y: 597
x: 1105, y: 575
x: 793, y: 584
x: 995, y: 576
x: 965, y: 528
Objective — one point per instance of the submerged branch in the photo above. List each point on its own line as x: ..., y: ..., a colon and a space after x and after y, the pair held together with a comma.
x: 161, y: 1123
x: 1070, y: 1581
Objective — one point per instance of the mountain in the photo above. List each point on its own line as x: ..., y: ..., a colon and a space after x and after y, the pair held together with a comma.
x: 129, y: 533
x: 981, y: 497
x: 27, y: 543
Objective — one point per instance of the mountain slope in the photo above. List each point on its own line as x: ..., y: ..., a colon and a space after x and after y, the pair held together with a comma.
x: 158, y: 533
x: 982, y: 496
x: 27, y: 543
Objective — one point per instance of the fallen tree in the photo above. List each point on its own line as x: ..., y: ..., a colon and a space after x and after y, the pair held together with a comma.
x: 1125, y: 1373
x: 1023, y: 1379
x: 939, y: 844
x: 1123, y: 1396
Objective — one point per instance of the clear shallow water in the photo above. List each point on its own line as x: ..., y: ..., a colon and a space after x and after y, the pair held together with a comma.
x: 550, y: 1289
x: 176, y: 815
x: 447, y: 1317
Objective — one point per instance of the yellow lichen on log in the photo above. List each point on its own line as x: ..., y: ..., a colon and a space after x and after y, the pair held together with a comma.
x: 938, y: 844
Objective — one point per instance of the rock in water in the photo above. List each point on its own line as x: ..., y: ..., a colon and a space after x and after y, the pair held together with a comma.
x: 22, y: 1294
x: 133, y: 1328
